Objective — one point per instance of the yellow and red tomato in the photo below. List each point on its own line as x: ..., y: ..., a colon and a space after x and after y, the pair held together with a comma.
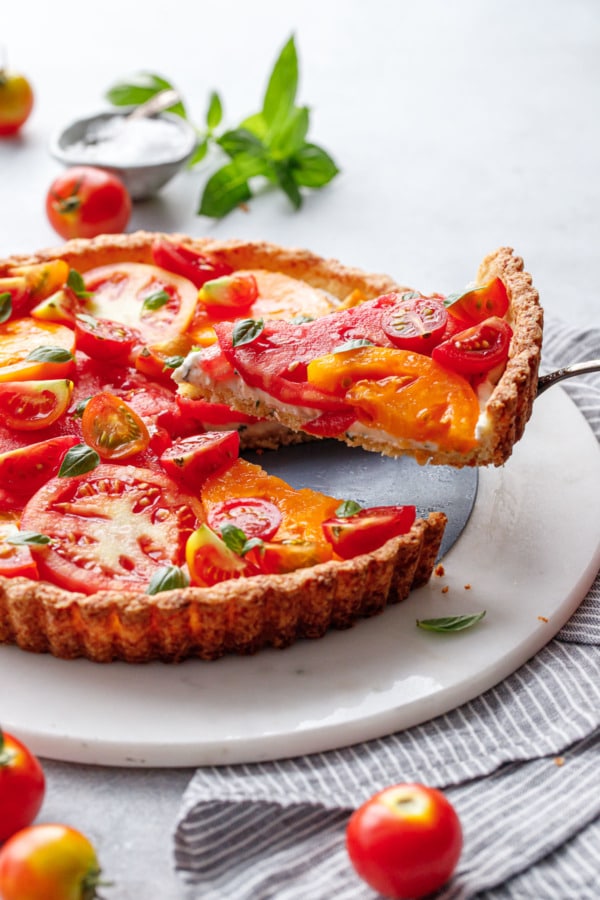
x: 16, y: 101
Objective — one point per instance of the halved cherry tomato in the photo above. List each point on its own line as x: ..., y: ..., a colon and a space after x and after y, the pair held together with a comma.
x: 210, y: 560
x: 31, y: 405
x: 31, y: 350
x: 405, y: 841
x: 15, y: 561
x: 14, y: 297
x: 22, y: 786
x: 477, y: 349
x: 231, y: 293
x: 367, y: 529
x: 49, y: 861
x: 192, y: 459
x: 113, y: 527
x: 279, y: 557
x: 104, y: 339
x: 255, y: 516
x: 416, y: 323
x: 43, y: 278
x: 198, y: 267
x: 111, y: 427
x: 26, y: 469
x: 481, y: 302
x: 156, y: 303
x: 61, y: 306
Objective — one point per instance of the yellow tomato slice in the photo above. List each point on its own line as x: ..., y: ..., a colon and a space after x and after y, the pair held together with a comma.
x: 404, y: 394
x: 33, y: 351
x: 42, y: 279
x: 157, y: 303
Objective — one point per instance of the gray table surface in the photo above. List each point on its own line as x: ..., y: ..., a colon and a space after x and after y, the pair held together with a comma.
x: 458, y: 126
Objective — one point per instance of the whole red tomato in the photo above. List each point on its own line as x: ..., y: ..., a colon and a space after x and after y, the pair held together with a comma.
x: 405, y: 841
x: 16, y: 101
x: 48, y: 862
x: 85, y: 201
x: 22, y: 786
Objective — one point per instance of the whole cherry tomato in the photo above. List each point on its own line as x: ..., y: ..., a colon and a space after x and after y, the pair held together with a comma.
x: 85, y: 201
x: 22, y: 786
x: 48, y: 862
x: 405, y: 841
x: 16, y: 101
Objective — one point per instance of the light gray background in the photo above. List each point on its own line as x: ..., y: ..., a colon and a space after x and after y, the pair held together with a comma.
x: 459, y: 126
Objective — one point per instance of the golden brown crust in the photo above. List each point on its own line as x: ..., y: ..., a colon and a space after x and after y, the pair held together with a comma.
x: 508, y: 408
x: 240, y: 616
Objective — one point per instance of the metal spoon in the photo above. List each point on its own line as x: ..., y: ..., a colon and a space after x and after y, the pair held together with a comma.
x: 156, y: 104
x: 546, y: 381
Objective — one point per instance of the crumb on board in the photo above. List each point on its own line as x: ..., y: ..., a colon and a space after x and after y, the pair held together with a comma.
x: 559, y: 761
x: 445, y: 589
x: 467, y: 587
x: 439, y: 570
x: 542, y: 618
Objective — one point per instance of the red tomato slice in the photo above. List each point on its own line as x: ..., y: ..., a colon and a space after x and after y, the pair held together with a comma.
x: 26, y: 469
x: 111, y: 427
x: 113, y: 527
x: 279, y: 557
x: 19, y: 295
x: 416, y: 323
x: 255, y: 516
x: 479, y: 303
x: 31, y: 405
x: 15, y: 561
x: 477, y: 349
x: 368, y: 529
x: 192, y: 459
x: 330, y: 424
x: 105, y: 340
x: 210, y: 560
x: 156, y: 303
x: 31, y: 350
x: 178, y: 258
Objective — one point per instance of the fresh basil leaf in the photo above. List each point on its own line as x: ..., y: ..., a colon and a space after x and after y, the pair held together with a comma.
x: 78, y: 460
x: 77, y: 284
x: 287, y: 184
x: 281, y: 89
x: 198, y: 154
x: 79, y: 409
x: 173, y: 362
x: 229, y: 187
x: 246, y: 330
x: 155, y: 301
x: 410, y: 295
x: 348, y: 508
x: 214, y: 113
x: 452, y: 298
x: 313, y: 167
x: 5, y: 306
x: 289, y: 137
x: 251, y: 544
x: 28, y: 538
x: 256, y: 125
x: 353, y: 345
x: 142, y: 87
x: 50, y: 354
x: 301, y: 319
x: 447, y: 624
x: 169, y: 578
x: 240, y: 140
x: 234, y: 538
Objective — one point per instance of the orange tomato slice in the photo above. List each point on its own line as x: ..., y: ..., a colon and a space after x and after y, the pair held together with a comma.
x: 32, y: 351
x: 42, y: 279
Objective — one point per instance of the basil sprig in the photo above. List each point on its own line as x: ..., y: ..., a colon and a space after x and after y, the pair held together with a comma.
x: 446, y: 624
x: 235, y: 539
x: 271, y: 144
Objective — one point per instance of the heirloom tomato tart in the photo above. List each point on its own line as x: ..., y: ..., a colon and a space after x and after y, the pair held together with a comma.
x: 134, y: 372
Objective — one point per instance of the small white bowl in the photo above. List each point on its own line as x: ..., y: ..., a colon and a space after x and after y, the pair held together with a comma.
x: 145, y: 153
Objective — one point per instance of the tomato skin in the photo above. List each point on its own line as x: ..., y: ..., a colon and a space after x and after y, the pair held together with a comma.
x: 232, y: 293
x: 31, y: 405
x: 16, y: 101
x: 22, y: 785
x: 26, y: 469
x: 190, y: 460
x: 187, y: 262
x: 83, y: 202
x: 477, y: 349
x: 255, y: 516
x: 279, y: 557
x: 50, y: 861
x: 367, y: 529
x: 416, y: 323
x: 405, y: 841
x: 481, y: 302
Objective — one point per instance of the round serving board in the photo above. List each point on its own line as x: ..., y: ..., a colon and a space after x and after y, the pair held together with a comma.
x: 528, y: 555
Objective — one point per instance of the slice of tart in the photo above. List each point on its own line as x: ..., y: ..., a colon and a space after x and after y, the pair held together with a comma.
x: 448, y: 380
x: 131, y: 528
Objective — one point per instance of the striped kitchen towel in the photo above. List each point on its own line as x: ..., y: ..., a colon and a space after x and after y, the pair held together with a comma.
x: 521, y: 764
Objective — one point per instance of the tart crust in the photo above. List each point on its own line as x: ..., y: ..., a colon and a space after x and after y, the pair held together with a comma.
x: 239, y: 616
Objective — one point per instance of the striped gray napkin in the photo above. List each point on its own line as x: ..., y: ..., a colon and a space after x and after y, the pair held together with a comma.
x: 521, y: 764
